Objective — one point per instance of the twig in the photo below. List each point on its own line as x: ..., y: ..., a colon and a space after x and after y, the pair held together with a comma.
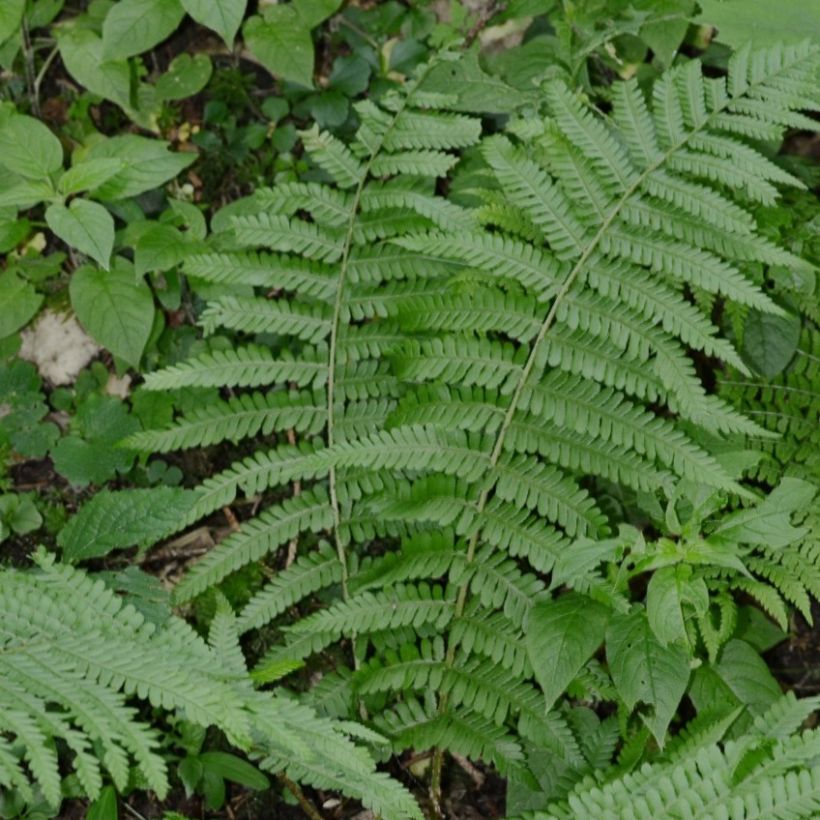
x: 131, y: 810
x: 475, y: 775
x: 307, y: 807
x: 41, y: 74
x: 232, y: 521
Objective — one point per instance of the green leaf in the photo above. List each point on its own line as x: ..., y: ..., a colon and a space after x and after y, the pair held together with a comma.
x: 645, y: 670
x: 213, y: 789
x: 21, y: 194
x: 190, y: 771
x: 147, y: 164
x: 769, y: 341
x: 82, y: 53
x: 185, y: 77
x: 20, y: 513
x: 135, y: 26
x: 23, y: 408
x: 86, y: 226
x: 89, y: 454
x: 88, y: 175
x: 222, y: 16
x: 562, y: 635
x: 124, y: 519
x: 105, y: 806
x: 768, y: 522
x: 476, y: 89
x: 760, y: 22
x: 742, y: 669
x: 350, y: 75
x: 313, y: 12
x: 233, y: 768
x: 115, y: 308
x: 282, y: 42
x: 20, y: 302
x: 664, y: 608
x: 160, y: 248
x: 11, y: 15
x: 28, y: 148
x: 665, y: 35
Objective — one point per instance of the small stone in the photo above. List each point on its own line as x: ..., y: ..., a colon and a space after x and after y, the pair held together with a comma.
x: 58, y: 346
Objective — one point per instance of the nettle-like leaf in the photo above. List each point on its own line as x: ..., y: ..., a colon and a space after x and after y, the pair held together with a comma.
x: 492, y: 376
x: 115, y: 307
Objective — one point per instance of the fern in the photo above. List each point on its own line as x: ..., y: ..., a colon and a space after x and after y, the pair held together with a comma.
x: 466, y: 383
x: 73, y: 658
x: 770, y: 771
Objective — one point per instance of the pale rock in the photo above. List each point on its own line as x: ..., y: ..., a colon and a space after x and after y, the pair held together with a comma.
x: 58, y: 346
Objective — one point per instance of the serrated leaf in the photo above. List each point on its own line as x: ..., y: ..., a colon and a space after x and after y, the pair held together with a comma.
x: 88, y: 175
x: 89, y: 454
x: 118, y: 520
x: 562, y: 635
x: 86, y: 226
x: 476, y: 90
x: 21, y: 194
x: 664, y: 605
x: 767, y: 523
x: 742, y: 669
x: 115, y: 308
x: 222, y: 16
x: 147, y: 164
x: 135, y: 26
x: 643, y: 670
x: 160, y: 248
x: 28, y: 148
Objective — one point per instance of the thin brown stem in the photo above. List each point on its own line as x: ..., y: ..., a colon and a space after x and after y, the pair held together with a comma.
x: 307, y: 807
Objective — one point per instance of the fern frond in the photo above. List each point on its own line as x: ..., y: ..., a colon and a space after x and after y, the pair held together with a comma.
x: 401, y: 605
x: 264, y: 270
x: 308, y: 512
x: 463, y: 731
x: 253, y: 315
x: 309, y: 573
x: 242, y: 416
x: 249, y: 366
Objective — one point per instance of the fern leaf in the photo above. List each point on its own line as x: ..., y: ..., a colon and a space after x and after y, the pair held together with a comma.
x: 253, y: 315
x: 243, y: 367
x: 306, y: 575
x: 309, y: 512
x: 242, y: 416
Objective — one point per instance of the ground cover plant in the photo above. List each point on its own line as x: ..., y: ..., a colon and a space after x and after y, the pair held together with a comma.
x: 408, y: 410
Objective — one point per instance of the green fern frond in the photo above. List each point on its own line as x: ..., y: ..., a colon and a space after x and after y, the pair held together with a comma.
x: 242, y: 416
x: 249, y: 366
